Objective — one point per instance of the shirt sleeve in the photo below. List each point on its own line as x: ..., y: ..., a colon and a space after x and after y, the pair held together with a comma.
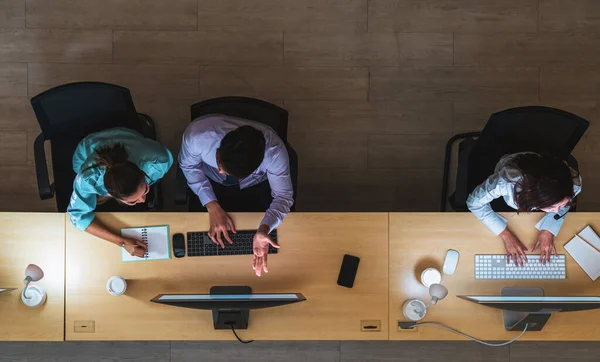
x: 83, y: 203
x: 548, y: 222
x: 282, y: 190
x: 479, y: 202
x: 190, y: 162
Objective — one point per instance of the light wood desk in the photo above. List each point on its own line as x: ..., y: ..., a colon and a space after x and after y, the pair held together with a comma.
x: 420, y: 240
x: 312, y: 247
x: 32, y: 239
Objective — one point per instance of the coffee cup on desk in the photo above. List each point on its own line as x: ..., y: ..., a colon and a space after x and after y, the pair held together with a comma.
x: 116, y: 286
x: 431, y: 276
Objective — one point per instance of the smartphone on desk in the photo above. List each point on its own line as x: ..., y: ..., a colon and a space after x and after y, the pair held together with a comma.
x: 179, y: 245
x: 348, y: 271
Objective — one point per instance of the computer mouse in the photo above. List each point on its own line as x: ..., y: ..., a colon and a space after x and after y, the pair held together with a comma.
x: 451, y: 262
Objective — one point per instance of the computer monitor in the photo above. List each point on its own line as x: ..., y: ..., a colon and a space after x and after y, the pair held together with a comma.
x: 230, y: 305
x: 529, y: 306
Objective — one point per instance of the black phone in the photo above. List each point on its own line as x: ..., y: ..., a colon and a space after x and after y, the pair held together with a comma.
x: 178, y: 245
x: 348, y: 271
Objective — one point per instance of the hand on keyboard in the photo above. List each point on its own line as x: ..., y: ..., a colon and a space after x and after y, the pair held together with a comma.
x: 545, y: 243
x: 260, y: 246
x: 220, y: 222
x: 497, y: 267
x: 514, y: 247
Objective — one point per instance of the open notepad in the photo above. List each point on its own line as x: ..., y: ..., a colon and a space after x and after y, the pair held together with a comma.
x: 157, y: 239
x: 584, y: 248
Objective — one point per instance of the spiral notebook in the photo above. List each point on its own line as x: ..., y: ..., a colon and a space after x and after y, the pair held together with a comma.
x: 157, y: 239
x: 583, y: 249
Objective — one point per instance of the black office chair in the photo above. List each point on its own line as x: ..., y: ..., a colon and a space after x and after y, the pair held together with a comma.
x: 534, y: 129
x: 246, y: 108
x: 66, y: 115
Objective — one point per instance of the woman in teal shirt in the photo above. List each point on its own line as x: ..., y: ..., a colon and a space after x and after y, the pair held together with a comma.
x: 116, y: 163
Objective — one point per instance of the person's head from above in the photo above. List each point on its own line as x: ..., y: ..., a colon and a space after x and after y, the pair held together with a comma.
x: 241, y: 152
x: 546, y: 183
x: 123, y: 180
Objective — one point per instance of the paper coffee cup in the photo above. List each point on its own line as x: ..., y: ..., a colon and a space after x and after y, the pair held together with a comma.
x: 116, y: 286
x: 431, y: 276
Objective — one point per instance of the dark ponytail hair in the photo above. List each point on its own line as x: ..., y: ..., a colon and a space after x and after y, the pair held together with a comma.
x: 122, y: 177
x: 546, y: 181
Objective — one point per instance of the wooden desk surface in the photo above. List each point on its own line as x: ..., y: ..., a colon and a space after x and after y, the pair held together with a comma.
x: 420, y: 240
x: 28, y: 238
x: 312, y: 248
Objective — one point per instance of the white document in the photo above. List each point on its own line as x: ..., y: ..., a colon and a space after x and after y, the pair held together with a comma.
x: 590, y: 236
x: 585, y: 255
x: 157, y: 239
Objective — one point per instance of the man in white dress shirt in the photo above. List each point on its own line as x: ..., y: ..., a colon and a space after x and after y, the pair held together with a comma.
x: 233, y: 164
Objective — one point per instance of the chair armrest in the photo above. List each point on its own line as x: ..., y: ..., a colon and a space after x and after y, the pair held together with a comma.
x: 45, y: 188
x: 462, y: 191
x: 462, y: 165
x: 181, y: 189
x: 153, y: 199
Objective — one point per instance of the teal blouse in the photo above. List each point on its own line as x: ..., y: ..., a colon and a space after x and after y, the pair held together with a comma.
x: 150, y: 156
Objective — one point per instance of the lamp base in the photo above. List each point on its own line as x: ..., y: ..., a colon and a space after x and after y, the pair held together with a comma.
x: 36, y: 296
x: 414, y: 310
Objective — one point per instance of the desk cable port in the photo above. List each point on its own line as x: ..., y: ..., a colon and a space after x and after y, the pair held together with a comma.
x: 407, y: 325
x: 370, y: 325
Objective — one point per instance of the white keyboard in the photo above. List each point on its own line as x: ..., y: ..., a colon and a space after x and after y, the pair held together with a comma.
x: 496, y: 267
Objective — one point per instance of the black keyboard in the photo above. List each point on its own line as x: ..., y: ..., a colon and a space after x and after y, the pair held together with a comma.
x: 199, y: 244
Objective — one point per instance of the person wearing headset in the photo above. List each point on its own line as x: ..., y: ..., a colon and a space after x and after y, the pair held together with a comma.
x: 527, y: 182
x: 114, y: 164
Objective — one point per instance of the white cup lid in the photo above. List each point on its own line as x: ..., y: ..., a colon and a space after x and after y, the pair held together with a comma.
x: 116, y: 285
x: 431, y: 276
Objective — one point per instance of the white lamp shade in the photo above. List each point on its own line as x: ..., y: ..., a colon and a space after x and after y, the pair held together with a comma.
x: 438, y: 291
x: 34, y: 272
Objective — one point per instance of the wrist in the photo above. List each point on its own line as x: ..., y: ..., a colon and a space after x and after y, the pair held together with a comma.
x: 213, y: 205
x: 504, y: 233
x: 264, y: 229
x: 122, y: 242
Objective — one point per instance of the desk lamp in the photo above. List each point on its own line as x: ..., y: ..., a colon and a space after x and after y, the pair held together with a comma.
x: 415, y: 309
x: 437, y: 292
x: 33, y: 296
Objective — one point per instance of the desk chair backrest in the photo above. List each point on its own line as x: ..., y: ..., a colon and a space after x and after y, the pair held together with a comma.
x: 537, y: 129
x: 68, y: 113
x: 524, y: 129
x: 83, y: 106
x: 246, y: 108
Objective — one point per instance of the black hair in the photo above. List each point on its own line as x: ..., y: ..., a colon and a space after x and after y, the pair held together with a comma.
x: 545, y: 181
x: 241, y: 151
x: 122, y: 177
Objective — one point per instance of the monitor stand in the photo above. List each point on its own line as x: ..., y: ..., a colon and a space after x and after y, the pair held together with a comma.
x: 226, y: 318
x: 516, y: 321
